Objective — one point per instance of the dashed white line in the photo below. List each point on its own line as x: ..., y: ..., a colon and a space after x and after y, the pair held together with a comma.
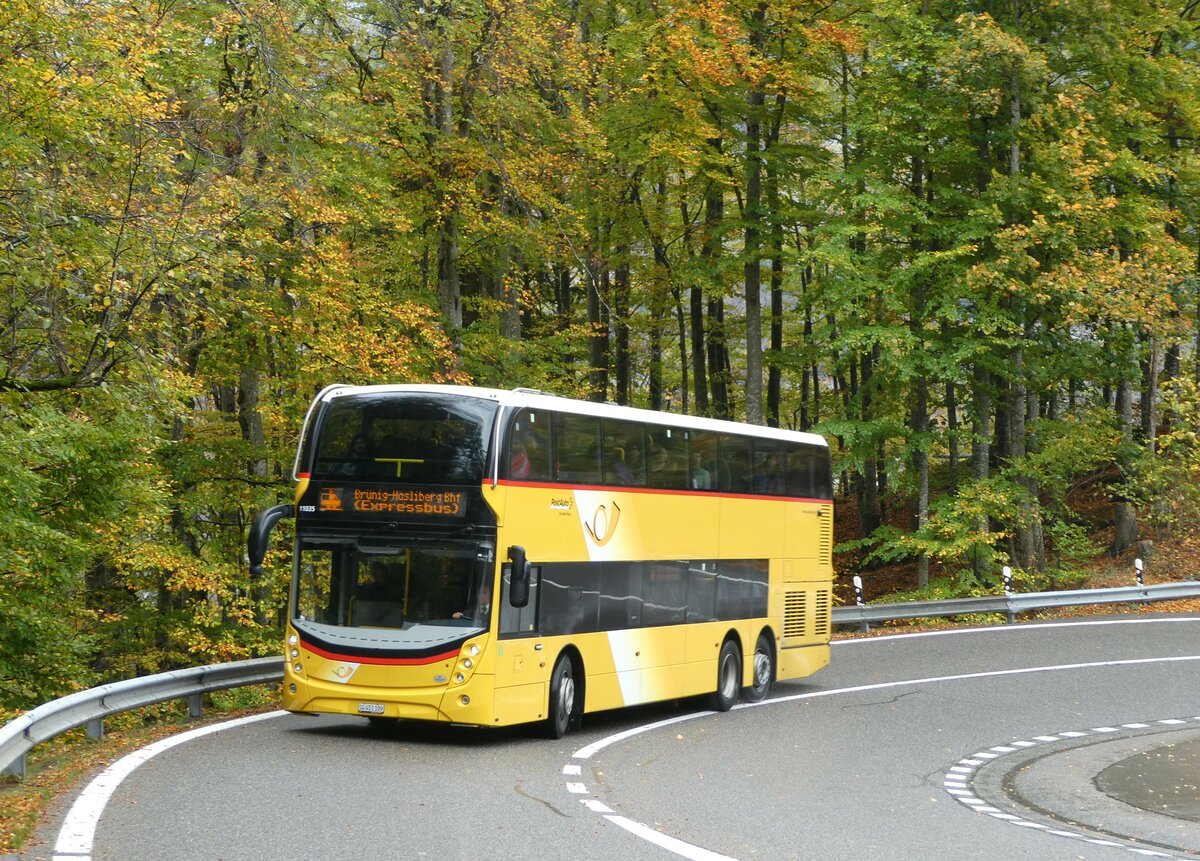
x: 959, y: 787
x: 697, y: 853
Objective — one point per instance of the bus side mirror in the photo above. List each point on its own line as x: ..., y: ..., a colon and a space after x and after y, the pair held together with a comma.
x: 518, y: 589
x: 260, y: 534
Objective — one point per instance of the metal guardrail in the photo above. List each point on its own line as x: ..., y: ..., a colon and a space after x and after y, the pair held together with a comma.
x: 92, y: 706
x: 1011, y: 603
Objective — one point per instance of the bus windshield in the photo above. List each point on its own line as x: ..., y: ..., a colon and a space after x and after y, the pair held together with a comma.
x: 404, y: 438
x: 400, y: 587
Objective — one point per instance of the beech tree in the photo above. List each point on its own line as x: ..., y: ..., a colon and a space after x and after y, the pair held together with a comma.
x: 960, y: 240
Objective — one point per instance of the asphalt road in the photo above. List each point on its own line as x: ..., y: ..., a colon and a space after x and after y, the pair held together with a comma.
x: 984, y: 743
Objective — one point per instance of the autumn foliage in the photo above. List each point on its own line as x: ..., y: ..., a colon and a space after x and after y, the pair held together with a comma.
x: 959, y: 239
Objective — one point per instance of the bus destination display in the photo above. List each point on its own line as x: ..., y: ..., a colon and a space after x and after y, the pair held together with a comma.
x: 388, y: 502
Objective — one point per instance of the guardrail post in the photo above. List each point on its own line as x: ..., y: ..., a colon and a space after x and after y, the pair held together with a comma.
x: 15, y: 768
x: 1006, y: 574
x: 95, y: 728
x: 1137, y: 572
x: 195, y: 705
x: 860, y: 600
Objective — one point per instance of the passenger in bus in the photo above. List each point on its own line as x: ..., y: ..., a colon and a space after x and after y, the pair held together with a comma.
x: 519, y: 464
x: 619, y: 471
x: 357, y: 459
x: 799, y: 474
x: 634, y: 460
x: 768, y: 478
x: 657, y: 463
x: 701, y: 477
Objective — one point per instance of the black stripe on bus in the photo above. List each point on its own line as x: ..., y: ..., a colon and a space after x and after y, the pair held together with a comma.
x: 589, y: 597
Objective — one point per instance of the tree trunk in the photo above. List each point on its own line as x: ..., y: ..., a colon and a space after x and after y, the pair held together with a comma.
x: 719, y: 371
x: 251, y: 422
x: 448, y: 276
x: 597, y: 336
x: 710, y: 250
x: 657, y: 316
x: 1028, y: 548
x: 981, y: 441
x: 1124, y: 518
x: 870, y: 516
x: 752, y: 235
x: 699, y: 366
x: 775, y: 242
x: 1149, y: 411
x: 953, y: 455
x: 621, y: 320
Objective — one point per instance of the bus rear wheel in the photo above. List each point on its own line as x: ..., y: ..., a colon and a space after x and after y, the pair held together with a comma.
x: 729, y: 677
x: 562, y: 699
x: 764, y: 670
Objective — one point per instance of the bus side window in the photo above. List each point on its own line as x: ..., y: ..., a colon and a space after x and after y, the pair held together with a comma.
x: 822, y: 472
x: 675, y: 441
x: 622, y: 452
x: 520, y: 620
x: 769, y: 468
x: 702, y: 473
x: 577, y: 447
x: 529, y: 446
x: 735, y: 454
x: 666, y: 464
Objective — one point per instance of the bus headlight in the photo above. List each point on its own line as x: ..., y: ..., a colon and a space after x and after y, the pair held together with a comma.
x: 299, y: 668
x: 468, y: 663
x: 473, y: 650
x: 459, y: 678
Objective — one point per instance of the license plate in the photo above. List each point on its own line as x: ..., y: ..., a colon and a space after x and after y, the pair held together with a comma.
x: 370, y: 709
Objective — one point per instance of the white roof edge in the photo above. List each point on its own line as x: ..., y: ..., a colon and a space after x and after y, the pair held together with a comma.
x: 515, y: 398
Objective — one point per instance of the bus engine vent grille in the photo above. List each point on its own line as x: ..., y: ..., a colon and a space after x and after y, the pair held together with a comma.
x: 821, y: 614
x: 825, y: 540
x: 794, y: 607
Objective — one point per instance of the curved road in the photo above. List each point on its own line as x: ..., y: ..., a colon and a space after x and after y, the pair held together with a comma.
x: 964, y: 743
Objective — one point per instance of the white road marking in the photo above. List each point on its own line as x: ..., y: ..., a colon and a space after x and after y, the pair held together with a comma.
x: 78, y: 832
x: 1004, y: 629
x: 960, y: 791
x: 671, y: 844
x: 688, y: 850
x: 77, y: 835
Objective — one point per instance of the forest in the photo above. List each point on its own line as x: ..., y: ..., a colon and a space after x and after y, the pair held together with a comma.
x: 958, y: 239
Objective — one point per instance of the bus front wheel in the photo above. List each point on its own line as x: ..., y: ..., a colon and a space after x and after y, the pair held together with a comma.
x: 562, y: 699
x: 729, y: 677
x: 764, y: 670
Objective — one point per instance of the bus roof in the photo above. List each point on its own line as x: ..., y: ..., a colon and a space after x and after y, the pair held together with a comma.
x: 512, y: 399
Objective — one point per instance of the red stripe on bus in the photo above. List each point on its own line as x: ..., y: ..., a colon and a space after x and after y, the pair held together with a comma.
x: 625, y: 488
x: 391, y: 662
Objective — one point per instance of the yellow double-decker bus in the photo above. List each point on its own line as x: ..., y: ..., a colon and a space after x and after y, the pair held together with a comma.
x: 491, y: 557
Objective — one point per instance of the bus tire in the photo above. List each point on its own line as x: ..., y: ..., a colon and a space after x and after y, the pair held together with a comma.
x: 562, y: 699
x: 729, y: 677
x: 764, y: 670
